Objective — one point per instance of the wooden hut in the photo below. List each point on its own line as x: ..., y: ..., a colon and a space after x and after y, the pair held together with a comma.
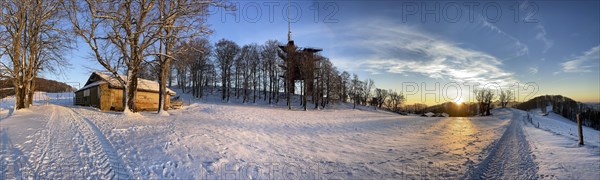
x: 106, y: 92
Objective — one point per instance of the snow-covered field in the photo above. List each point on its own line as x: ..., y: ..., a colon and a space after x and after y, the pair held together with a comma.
x: 555, y: 147
x: 209, y: 139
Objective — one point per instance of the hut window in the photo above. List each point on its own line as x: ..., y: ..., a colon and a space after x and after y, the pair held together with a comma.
x: 86, y: 93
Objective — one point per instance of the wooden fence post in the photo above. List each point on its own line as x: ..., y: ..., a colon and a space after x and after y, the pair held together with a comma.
x: 580, y: 129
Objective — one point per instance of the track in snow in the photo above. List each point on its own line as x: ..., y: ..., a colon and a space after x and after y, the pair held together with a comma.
x: 510, y: 157
x: 70, y: 147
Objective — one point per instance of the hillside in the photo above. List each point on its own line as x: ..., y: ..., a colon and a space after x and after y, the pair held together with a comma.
x: 553, y: 140
x: 565, y: 107
x: 44, y: 85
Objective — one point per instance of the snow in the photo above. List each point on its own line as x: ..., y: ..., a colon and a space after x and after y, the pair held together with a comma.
x: 557, y: 124
x: 555, y: 147
x: 214, y: 140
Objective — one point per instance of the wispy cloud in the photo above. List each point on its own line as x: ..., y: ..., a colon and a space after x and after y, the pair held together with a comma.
x: 396, y: 48
x: 533, y: 70
x: 585, y: 62
x: 541, y: 35
x: 522, y: 49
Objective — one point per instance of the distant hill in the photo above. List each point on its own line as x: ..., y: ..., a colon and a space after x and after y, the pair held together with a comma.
x: 45, y: 85
x: 565, y: 107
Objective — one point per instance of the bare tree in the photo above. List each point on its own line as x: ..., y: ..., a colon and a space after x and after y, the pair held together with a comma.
x: 193, y: 56
x: 488, y: 98
x: 395, y: 100
x: 179, y: 19
x: 226, y: 51
x: 346, y: 86
x: 328, y: 77
x: 505, y: 97
x: 355, y: 92
x: 242, y: 67
x: 252, y: 59
x: 33, y: 39
x: 367, y: 87
x: 484, y: 98
x: 380, y: 96
x: 269, y: 55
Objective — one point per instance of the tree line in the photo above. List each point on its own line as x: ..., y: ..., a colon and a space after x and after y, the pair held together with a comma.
x: 45, y: 85
x: 254, y: 72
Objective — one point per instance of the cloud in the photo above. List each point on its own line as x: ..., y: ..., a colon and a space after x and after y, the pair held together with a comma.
x: 396, y: 48
x: 533, y: 70
x: 522, y: 49
x: 584, y: 62
x: 541, y: 35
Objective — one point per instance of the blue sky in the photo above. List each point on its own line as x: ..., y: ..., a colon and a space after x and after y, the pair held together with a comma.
x: 550, y: 47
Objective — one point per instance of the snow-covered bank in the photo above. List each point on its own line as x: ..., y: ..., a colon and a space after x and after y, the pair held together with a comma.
x: 556, y: 151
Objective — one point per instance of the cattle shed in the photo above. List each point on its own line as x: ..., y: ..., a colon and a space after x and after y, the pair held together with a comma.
x: 104, y: 91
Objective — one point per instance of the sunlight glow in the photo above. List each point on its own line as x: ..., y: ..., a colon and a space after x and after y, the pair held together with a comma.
x: 459, y: 100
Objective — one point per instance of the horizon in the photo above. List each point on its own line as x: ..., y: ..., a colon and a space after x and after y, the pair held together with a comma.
x: 433, y: 51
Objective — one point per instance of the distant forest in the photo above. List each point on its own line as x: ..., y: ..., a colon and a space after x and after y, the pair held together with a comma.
x: 566, y: 107
x: 45, y: 85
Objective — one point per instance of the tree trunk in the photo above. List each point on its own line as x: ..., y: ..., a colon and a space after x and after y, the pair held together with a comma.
x: 132, y: 89
x: 19, y: 97
x: 31, y: 93
x: 164, y: 73
x: 223, y: 86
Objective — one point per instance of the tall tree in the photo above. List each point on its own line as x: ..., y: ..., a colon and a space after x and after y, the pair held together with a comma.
x: 355, y: 90
x: 269, y: 55
x: 33, y: 38
x: 226, y: 51
x: 346, y: 86
x: 179, y: 20
x: 254, y: 62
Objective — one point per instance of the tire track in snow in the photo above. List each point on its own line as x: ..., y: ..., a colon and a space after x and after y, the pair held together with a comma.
x: 112, y: 164
x: 74, y: 148
x: 510, y: 157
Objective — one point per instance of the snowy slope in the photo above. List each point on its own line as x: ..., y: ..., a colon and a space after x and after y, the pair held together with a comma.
x: 213, y: 139
x: 225, y: 140
x: 556, y: 150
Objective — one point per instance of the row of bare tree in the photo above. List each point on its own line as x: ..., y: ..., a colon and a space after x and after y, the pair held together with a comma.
x: 254, y: 72
x: 486, y: 96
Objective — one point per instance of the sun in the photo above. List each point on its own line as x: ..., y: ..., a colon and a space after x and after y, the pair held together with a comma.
x: 459, y: 100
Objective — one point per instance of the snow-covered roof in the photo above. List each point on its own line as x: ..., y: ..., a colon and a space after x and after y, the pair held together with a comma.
x: 92, y: 85
x: 429, y: 114
x: 98, y: 78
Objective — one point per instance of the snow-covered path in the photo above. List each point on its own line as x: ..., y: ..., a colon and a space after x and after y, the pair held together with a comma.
x: 68, y: 147
x: 510, y: 158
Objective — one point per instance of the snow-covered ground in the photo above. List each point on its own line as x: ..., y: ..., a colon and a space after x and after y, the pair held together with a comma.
x: 210, y: 139
x: 555, y: 147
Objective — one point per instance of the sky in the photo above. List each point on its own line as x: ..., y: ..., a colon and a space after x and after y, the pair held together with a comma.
x: 432, y: 51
